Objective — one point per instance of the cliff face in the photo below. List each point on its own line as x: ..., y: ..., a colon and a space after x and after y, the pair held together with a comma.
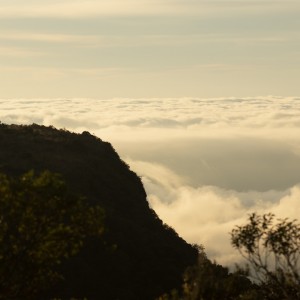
x: 138, y: 257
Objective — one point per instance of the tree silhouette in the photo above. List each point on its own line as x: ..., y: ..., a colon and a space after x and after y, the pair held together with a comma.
x: 272, y: 250
x: 41, y: 224
x: 210, y: 281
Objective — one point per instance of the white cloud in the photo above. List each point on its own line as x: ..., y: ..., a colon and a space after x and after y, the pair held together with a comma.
x: 47, y: 37
x: 92, y: 8
x: 73, y: 9
x: 140, y: 40
x: 206, y: 215
x: 258, y: 116
x: 19, y: 52
x: 205, y: 163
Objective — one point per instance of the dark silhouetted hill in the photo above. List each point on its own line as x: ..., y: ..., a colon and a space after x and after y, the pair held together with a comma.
x: 138, y: 257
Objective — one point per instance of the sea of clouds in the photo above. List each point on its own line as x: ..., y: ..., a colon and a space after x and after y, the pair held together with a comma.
x: 206, y: 164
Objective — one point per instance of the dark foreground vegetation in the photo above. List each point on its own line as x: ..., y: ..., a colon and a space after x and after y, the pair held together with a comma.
x: 271, y: 248
x: 75, y: 224
x: 136, y: 256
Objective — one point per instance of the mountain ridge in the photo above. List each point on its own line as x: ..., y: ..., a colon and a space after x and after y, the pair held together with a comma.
x: 139, y: 256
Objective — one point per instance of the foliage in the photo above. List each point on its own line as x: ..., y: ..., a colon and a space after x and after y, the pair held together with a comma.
x: 272, y: 249
x: 41, y: 224
x: 149, y: 257
x: 209, y: 281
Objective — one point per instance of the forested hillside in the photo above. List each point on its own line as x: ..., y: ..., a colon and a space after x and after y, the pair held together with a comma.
x: 137, y: 256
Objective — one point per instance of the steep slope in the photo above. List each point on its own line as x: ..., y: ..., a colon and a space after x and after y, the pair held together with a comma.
x: 141, y: 257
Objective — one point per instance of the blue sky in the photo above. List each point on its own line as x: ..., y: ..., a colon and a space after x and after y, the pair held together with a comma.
x: 162, y: 48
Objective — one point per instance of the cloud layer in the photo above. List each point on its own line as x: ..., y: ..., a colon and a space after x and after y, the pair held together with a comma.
x: 205, y: 163
x: 92, y: 8
x: 207, y: 214
x: 190, y: 114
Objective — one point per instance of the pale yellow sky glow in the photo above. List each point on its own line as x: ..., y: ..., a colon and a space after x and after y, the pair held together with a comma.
x: 82, y: 9
x: 162, y: 48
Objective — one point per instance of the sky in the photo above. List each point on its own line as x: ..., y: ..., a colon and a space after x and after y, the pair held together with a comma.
x: 206, y: 163
x: 200, y: 97
x: 141, y: 48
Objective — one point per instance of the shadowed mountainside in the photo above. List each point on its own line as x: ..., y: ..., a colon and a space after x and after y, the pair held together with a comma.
x: 138, y: 257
